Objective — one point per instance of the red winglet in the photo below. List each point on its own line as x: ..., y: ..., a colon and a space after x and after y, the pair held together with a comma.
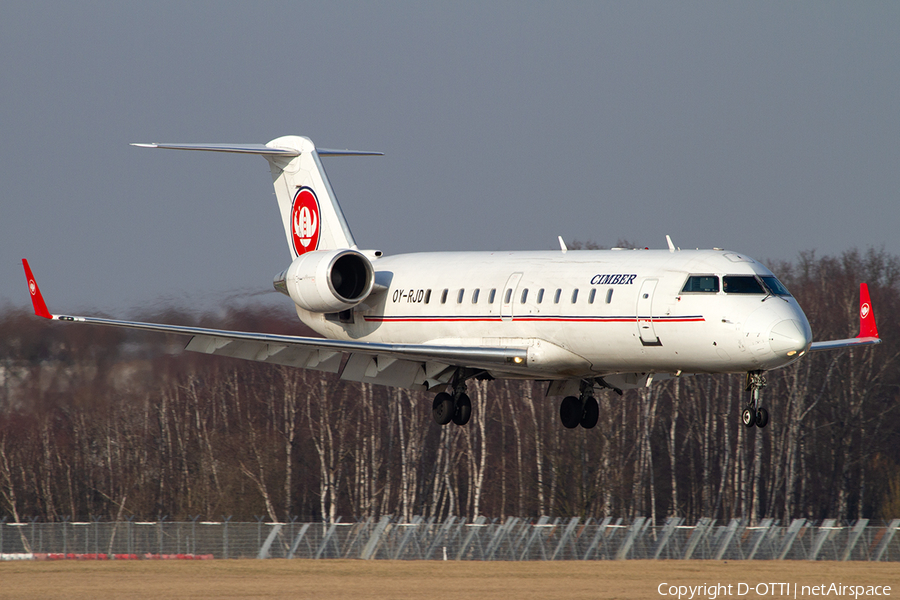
x: 40, y: 308
x: 867, y: 328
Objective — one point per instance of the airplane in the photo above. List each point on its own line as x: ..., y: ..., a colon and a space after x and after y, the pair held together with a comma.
x: 579, y: 320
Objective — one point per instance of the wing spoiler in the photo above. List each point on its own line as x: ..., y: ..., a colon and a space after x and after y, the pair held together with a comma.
x: 868, y: 332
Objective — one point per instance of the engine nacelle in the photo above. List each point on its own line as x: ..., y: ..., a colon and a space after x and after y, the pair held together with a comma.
x: 327, y: 281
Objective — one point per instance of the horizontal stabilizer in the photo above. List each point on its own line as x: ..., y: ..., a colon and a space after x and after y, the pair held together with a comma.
x: 238, y: 148
x: 330, y: 152
x: 260, y: 149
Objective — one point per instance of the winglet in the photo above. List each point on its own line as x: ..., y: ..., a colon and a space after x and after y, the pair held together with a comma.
x: 40, y: 307
x: 867, y: 328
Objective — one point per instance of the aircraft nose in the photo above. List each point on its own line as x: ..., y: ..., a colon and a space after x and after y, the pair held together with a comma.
x: 789, y: 338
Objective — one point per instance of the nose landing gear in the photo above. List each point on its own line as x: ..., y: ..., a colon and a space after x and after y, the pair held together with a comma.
x: 754, y: 414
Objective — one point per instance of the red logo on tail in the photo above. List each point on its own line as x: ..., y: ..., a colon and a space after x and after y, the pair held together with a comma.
x: 305, y: 221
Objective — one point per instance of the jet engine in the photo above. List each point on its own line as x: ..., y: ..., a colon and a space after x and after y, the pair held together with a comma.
x: 327, y: 281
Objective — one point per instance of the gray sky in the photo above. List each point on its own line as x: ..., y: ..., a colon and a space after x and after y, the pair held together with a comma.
x: 764, y: 127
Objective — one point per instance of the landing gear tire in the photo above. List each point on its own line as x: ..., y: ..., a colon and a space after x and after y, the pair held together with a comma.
x: 443, y: 409
x: 748, y: 418
x: 463, y: 411
x: 570, y: 412
x: 755, y: 414
x: 591, y: 413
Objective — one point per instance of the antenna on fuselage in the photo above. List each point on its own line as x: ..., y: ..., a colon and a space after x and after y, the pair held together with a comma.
x: 562, y: 244
x: 671, y: 245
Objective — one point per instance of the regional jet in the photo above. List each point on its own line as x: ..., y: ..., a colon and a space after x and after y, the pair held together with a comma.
x: 579, y: 320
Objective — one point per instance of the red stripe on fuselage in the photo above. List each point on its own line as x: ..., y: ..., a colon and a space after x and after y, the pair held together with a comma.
x: 399, y: 319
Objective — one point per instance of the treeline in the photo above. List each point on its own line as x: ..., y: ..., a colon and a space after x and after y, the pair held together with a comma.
x: 103, y: 422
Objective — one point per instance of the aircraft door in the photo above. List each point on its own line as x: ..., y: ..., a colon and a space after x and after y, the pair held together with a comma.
x: 509, y: 296
x: 645, y: 313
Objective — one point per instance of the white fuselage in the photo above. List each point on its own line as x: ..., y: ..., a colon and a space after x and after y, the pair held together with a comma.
x: 581, y: 313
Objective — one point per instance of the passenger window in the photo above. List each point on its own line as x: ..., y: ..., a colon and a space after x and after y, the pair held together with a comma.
x: 459, y: 297
x: 742, y: 284
x: 491, y: 295
x: 708, y: 284
x: 508, y: 296
x: 427, y: 296
x: 444, y: 297
x: 556, y: 296
x: 609, y: 295
x: 592, y: 295
x: 524, y: 296
x: 540, y: 297
x: 574, y: 295
x: 475, y: 297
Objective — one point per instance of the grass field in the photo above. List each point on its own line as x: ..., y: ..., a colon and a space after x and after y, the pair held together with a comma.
x: 326, y: 579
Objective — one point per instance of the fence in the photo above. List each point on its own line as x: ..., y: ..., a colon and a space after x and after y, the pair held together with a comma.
x: 457, y: 539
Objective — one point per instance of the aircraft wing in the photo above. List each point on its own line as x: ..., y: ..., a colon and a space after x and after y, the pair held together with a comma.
x: 412, y: 366
x: 868, y: 332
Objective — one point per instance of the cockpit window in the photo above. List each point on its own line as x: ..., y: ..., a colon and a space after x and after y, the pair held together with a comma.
x: 701, y: 283
x: 742, y: 284
x: 775, y: 286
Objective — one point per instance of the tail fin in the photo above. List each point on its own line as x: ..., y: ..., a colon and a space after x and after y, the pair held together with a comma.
x: 310, y: 212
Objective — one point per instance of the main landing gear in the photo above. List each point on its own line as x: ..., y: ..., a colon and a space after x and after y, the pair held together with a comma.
x: 456, y: 407
x: 754, y: 414
x: 583, y: 410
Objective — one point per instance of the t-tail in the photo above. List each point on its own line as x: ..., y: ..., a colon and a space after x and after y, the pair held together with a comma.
x: 310, y: 212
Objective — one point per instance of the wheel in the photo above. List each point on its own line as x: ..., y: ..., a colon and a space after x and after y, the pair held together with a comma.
x: 762, y: 417
x: 463, y: 410
x: 442, y: 408
x: 591, y: 413
x: 570, y: 412
x: 748, y: 418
